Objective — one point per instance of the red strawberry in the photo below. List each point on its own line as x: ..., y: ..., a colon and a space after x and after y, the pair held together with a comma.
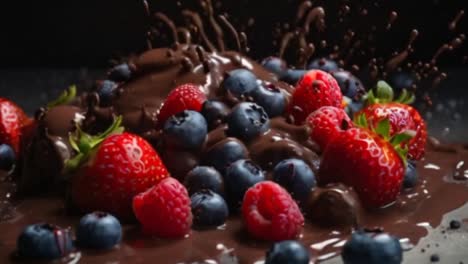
x: 402, y: 117
x: 270, y: 213
x: 120, y: 167
x: 164, y: 210
x: 12, y: 121
x: 364, y: 160
x: 316, y: 89
x: 326, y: 122
x: 184, y: 97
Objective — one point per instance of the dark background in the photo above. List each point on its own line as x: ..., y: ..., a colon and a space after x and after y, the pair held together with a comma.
x: 47, y: 45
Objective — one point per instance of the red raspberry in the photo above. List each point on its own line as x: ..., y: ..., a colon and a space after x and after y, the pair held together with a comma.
x: 326, y: 122
x: 164, y: 210
x: 184, y: 97
x: 270, y: 213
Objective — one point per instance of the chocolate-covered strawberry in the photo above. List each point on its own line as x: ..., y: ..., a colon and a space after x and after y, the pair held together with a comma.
x: 111, y: 168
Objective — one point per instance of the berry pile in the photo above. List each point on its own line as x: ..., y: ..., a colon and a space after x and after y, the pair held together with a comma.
x: 123, y: 174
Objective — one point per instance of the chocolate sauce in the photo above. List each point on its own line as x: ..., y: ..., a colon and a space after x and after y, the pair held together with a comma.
x: 155, y: 73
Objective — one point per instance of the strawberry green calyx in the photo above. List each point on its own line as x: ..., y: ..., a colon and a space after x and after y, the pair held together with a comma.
x: 84, y: 144
x: 66, y: 97
x: 383, y: 130
x: 383, y: 93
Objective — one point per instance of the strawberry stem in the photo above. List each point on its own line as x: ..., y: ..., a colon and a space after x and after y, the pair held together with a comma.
x: 383, y: 93
x: 65, y: 97
x: 84, y: 144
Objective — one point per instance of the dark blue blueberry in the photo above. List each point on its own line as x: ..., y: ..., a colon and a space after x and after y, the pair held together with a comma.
x: 208, y: 209
x: 455, y: 224
x: 287, y: 252
x: 246, y: 121
x: 204, y: 177
x: 7, y: 157
x: 402, y: 80
x: 44, y: 241
x: 296, y: 177
x: 323, y: 64
x: 214, y: 112
x: 106, y: 91
x: 223, y: 153
x: 240, y: 82
x: 358, y: 249
x: 120, y: 73
x: 293, y: 76
x: 387, y: 249
x: 270, y: 98
x: 363, y: 248
x: 239, y: 177
x: 411, y: 176
x: 98, y: 230
x: 185, y: 130
x: 349, y: 84
x: 275, y: 65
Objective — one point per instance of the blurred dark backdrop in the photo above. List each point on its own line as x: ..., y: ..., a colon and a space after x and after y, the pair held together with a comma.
x: 47, y: 45
x: 90, y: 32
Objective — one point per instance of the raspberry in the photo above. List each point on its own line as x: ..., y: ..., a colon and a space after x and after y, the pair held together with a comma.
x: 270, y: 213
x: 164, y: 210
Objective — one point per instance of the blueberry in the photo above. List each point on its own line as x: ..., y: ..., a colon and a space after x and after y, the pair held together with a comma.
x: 402, y: 80
x: 240, y: 82
x: 411, y: 176
x: 44, y: 241
x: 293, y: 76
x: 349, y: 84
x: 358, y: 249
x: 203, y: 177
x: 323, y: 64
x: 270, y: 98
x: 388, y: 249
x: 185, y: 130
x: 223, y: 153
x: 363, y: 248
x: 296, y: 177
x: 287, y: 252
x: 239, y: 177
x: 214, y: 112
x: 275, y: 65
x: 106, y: 91
x: 98, y: 230
x: 7, y: 157
x: 208, y: 209
x: 120, y: 73
x: 247, y: 121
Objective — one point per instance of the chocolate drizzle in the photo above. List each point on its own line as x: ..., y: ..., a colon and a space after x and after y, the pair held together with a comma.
x: 157, y: 72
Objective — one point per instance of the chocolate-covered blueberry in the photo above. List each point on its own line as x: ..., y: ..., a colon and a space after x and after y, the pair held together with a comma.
x: 214, y: 112
x: 223, y: 153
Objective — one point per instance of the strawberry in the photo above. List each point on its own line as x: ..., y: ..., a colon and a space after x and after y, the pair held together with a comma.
x: 326, y: 122
x: 402, y: 117
x: 184, y: 97
x: 270, y: 213
x: 111, y: 168
x: 316, y: 89
x: 12, y: 121
x: 164, y: 210
x: 367, y: 162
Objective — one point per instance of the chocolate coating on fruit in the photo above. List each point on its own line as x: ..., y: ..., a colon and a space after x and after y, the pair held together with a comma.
x: 334, y: 205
